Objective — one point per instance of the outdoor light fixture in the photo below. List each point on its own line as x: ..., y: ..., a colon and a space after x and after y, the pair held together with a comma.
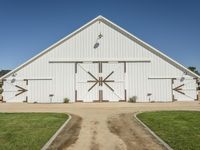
x: 182, y: 79
x: 13, y: 80
x: 13, y: 75
x: 96, y: 45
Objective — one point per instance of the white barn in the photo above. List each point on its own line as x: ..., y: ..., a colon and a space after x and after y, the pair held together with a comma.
x: 100, y: 62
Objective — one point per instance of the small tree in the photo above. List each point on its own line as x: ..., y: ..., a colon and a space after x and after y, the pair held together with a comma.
x: 3, y: 72
x: 1, y: 83
x: 1, y: 90
x: 193, y: 69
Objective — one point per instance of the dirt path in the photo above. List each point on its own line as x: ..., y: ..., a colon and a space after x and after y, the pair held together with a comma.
x: 127, y: 128
x: 69, y: 134
x: 95, y: 134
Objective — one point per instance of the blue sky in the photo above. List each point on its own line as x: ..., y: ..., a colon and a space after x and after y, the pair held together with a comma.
x: 27, y: 27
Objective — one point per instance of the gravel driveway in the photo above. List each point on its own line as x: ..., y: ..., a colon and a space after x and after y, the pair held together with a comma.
x: 107, y: 126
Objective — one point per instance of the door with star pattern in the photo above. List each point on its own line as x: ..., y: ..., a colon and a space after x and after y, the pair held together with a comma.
x: 100, y: 81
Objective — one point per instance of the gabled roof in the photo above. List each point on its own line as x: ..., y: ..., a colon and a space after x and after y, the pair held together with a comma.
x: 119, y: 29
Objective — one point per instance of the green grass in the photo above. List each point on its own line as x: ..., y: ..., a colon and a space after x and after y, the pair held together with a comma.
x: 28, y: 131
x: 180, y: 129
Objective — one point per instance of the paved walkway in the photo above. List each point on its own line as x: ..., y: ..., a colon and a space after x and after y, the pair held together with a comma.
x: 97, y: 125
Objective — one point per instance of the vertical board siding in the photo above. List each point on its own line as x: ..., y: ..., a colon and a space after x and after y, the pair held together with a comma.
x: 137, y: 78
x: 39, y: 91
x: 63, y: 81
x: 161, y: 90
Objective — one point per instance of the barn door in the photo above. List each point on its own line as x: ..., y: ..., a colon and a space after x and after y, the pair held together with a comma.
x: 16, y: 90
x: 184, y: 89
x: 86, y: 75
x: 113, y: 76
x: 99, y: 81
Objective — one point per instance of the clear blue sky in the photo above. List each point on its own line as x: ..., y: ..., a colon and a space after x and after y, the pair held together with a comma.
x: 29, y: 26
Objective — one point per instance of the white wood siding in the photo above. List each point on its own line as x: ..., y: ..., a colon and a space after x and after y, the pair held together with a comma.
x: 39, y: 91
x: 161, y: 90
x: 113, y: 45
x: 63, y: 81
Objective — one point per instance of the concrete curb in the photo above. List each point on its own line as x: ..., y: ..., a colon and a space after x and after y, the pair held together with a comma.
x: 56, y: 134
x: 152, y: 133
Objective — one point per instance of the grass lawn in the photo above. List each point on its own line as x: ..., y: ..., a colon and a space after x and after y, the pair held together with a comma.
x: 28, y: 131
x: 180, y: 129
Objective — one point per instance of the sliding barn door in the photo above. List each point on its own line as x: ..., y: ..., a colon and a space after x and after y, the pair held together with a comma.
x: 113, y: 86
x: 100, y: 81
x: 15, y: 90
x: 185, y: 89
x: 87, y: 86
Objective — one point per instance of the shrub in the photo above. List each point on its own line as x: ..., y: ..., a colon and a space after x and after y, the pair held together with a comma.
x: 66, y: 100
x: 132, y: 99
x: 1, y: 90
x: 1, y: 83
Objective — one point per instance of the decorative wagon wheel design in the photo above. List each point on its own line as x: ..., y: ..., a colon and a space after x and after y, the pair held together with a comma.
x: 101, y: 81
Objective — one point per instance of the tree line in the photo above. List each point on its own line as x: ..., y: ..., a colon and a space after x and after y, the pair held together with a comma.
x: 3, y: 72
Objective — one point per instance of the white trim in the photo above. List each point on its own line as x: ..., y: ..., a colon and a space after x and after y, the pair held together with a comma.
x: 113, y: 25
x: 39, y: 79
x: 19, y: 79
x: 161, y: 77
x: 98, y: 59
